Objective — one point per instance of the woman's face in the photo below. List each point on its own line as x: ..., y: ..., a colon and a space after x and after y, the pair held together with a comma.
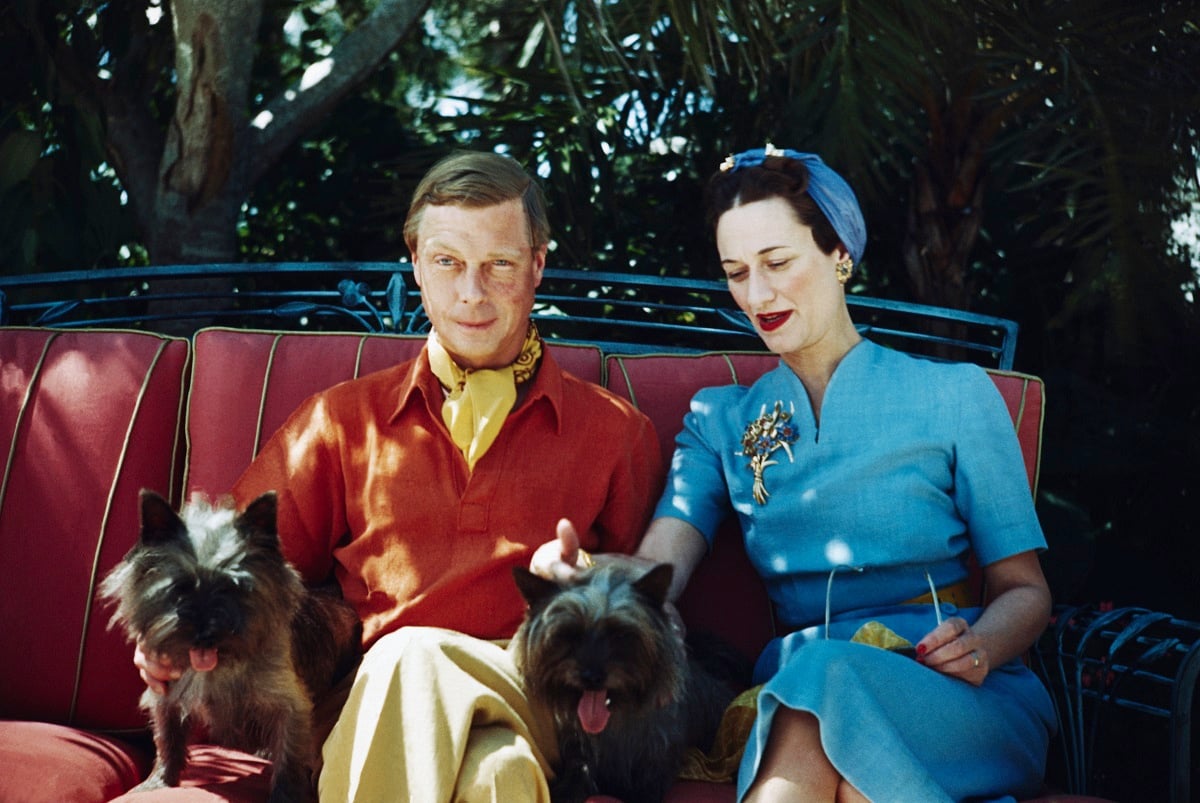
x: 780, y: 278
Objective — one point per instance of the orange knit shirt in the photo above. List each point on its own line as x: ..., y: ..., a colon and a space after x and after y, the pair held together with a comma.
x: 371, y: 487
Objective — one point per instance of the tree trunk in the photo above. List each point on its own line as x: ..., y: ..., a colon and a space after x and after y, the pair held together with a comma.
x: 188, y: 201
x: 212, y: 155
x: 202, y: 173
x: 946, y: 205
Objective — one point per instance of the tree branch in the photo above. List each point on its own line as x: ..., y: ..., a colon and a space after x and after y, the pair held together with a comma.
x: 326, y: 82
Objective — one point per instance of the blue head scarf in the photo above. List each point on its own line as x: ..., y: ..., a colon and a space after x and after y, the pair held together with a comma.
x: 829, y: 192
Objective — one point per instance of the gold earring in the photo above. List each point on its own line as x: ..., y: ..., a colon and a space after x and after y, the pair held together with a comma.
x: 843, y: 269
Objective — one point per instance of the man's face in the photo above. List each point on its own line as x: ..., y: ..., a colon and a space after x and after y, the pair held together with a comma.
x: 478, y: 274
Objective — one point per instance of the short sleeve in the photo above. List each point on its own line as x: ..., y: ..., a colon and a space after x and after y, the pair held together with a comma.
x: 991, y: 490
x: 696, y: 491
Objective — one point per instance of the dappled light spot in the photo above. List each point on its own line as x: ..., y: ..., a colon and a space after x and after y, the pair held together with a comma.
x: 838, y: 552
x: 76, y: 372
x: 303, y: 447
x: 262, y: 120
x: 383, y: 461
x: 13, y: 379
x: 315, y: 74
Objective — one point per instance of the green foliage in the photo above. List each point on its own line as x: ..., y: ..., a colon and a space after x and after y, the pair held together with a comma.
x: 1057, y: 143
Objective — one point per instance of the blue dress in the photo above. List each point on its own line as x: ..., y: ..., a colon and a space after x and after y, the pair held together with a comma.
x: 915, y: 464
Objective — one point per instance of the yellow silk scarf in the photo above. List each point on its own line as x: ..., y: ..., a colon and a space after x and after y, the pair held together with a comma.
x: 477, y: 402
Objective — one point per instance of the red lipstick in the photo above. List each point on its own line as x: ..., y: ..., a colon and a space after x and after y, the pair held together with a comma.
x: 769, y: 322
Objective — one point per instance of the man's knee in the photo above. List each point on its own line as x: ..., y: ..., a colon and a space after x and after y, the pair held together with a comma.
x: 398, y: 642
x: 420, y: 644
x: 500, y: 766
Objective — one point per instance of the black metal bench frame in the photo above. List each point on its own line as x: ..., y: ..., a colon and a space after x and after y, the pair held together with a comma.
x: 630, y: 311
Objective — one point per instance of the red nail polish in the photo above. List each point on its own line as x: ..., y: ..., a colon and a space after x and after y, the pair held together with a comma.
x: 922, y: 649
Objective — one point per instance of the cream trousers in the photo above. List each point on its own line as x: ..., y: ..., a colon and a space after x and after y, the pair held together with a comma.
x: 435, y: 716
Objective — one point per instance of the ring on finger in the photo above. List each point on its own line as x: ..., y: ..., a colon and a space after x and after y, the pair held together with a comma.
x: 975, y: 659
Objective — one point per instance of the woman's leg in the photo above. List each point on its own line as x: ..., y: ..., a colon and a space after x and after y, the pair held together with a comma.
x: 794, y: 767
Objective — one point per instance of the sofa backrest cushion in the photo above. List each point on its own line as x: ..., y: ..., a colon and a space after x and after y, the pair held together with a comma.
x: 1025, y: 396
x: 87, y: 419
x: 662, y: 385
x: 725, y: 594
x: 246, y: 383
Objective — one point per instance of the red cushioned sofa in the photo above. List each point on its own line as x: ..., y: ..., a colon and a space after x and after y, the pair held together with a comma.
x: 89, y: 416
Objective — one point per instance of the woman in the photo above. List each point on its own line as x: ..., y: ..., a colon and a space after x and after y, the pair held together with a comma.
x: 862, y: 478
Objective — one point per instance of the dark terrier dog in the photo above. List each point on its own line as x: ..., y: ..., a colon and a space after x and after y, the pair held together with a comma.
x: 628, y: 700
x: 212, y: 591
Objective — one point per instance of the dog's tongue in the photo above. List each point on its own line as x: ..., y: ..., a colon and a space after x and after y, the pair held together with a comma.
x: 204, y: 660
x: 593, y: 710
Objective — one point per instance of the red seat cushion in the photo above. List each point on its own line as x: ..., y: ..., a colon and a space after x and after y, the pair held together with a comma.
x: 58, y: 764
x: 215, y: 775
x: 46, y: 763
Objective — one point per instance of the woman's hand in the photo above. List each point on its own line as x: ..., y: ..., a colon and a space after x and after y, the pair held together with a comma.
x: 1016, y: 613
x: 156, y: 671
x: 952, y: 648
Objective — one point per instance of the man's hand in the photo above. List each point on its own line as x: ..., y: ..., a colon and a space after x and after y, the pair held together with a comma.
x: 561, y: 558
x: 156, y: 671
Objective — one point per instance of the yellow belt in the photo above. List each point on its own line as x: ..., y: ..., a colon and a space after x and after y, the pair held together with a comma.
x: 959, y: 594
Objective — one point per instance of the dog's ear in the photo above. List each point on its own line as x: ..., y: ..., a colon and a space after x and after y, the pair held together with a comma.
x: 534, y: 588
x: 160, y: 523
x: 257, y: 521
x: 655, y: 583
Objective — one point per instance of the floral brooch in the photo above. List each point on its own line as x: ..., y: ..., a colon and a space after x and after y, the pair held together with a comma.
x: 763, y: 436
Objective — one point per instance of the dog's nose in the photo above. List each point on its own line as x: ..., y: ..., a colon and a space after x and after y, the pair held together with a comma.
x: 212, y: 619
x: 593, y: 677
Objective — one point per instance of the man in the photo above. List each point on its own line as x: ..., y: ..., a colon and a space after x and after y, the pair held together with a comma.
x: 421, y: 486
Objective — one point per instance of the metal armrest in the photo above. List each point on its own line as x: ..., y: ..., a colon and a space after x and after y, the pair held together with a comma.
x: 1109, y: 670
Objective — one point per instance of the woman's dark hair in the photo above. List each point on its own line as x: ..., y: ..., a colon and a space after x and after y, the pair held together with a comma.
x: 776, y: 177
